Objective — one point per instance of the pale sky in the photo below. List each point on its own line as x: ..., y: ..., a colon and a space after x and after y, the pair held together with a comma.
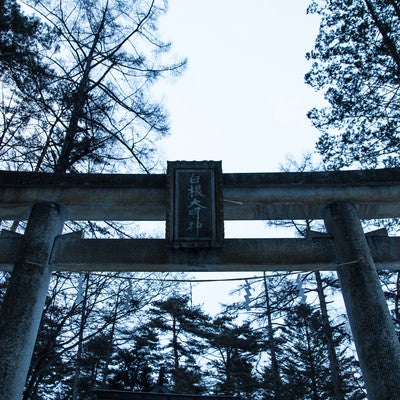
x: 242, y: 99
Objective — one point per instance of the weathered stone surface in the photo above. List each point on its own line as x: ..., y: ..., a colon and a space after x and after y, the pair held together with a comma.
x: 71, y: 253
x: 246, y: 196
x: 24, y: 301
x: 377, y: 344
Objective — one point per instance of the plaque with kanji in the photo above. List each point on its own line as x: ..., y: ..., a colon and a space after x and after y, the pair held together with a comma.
x: 195, y: 209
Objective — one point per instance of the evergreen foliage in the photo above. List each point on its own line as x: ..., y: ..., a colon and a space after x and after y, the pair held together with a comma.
x: 303, y: 344
x: 182, y: 324
x: 305, y: 365
x: 21, y: 37
x: 356, y: 63
x: 236, y: 347
x: 77, y: 97
x: 134, y: 367
x: 94, y: 334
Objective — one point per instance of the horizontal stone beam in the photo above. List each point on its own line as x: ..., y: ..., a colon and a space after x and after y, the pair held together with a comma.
x: 71, y: 254
x: 258, y: 196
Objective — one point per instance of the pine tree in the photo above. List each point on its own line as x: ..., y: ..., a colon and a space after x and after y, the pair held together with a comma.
x: 24, y: 72
x: 94, y: 110
x: 21, y: 38
x: 81, y: 311
x: 272, y: 297
x: 137, y: 361
x: 235, y: 349
x: 356, y: 63
x: 305, y: 364
x: 181, y: 324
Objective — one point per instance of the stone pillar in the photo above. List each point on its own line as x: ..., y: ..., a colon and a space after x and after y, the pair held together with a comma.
x: 376, y: 342
x: 25, y: 298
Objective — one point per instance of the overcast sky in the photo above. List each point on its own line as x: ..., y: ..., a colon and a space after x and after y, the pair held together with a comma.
x: 242, y: 99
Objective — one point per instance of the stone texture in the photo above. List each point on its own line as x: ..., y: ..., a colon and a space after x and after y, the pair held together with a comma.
x: 376, y: 342
x: 25, y: 298
x: 246, y: 196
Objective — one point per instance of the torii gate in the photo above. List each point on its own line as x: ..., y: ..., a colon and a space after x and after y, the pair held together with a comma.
x: 340, y: 198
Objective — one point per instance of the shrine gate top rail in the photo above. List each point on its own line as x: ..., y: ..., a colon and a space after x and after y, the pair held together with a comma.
x: 246, y: 196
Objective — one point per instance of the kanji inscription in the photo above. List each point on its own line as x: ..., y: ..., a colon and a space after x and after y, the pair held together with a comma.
x: 195, y: 207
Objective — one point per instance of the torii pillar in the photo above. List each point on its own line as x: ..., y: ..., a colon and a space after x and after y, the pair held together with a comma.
x: 25, y: 298
x: 377, y: 344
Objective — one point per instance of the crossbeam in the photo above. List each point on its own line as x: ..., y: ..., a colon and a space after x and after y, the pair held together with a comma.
x: 71, y: 254
x: 255, y: 196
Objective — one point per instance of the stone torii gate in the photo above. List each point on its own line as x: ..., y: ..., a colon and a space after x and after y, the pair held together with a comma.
x: 207, y: 197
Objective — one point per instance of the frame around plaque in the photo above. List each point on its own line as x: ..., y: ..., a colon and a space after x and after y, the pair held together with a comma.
x: 195, y: 204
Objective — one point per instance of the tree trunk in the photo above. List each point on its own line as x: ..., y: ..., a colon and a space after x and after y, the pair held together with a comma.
x: 389, y: 43
x: 328, y: 338
x: 310, y: 352
x: 77, y: 369
x: 277, y: 382
x: 107, y: 357
x: 79, y: 100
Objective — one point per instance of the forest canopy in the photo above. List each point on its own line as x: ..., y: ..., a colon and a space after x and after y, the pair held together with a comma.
x: 356, y: 63
x: 76, y: 79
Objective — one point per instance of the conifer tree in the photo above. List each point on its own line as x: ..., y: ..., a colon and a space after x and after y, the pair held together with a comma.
x: 236, y: 348
x: 356, y: 63
x: 91, y: 108
x: 305, y: 364
x: 137, y: 361
x: 182, y: 326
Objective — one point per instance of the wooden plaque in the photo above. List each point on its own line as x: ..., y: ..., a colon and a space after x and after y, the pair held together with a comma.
x: 195, y: 204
